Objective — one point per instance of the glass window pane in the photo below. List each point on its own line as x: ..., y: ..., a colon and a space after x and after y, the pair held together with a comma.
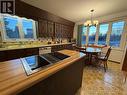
x: 27, y: 28
x: 115, y: 37
x: 84, y: 32
x: 103, y: 34
x: 92, y: 34
x: 11, y: 27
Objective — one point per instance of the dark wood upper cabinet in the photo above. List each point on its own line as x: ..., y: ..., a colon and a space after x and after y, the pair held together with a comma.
x: 63, y: 31
x: 67, y: 31
x: 49, y: 25
x: 45, y: 29
x: 29, y: 11
x: 42, y: 28
x: 50, y: 29
x: 58, y: 33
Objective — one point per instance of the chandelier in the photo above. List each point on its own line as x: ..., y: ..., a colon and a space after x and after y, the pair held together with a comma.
x: 91, y: 22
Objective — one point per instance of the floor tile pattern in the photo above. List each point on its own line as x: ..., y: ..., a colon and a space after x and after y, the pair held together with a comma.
x: 97, y: 82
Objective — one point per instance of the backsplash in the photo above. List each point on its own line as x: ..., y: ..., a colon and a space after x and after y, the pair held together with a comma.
x: 36, y: 42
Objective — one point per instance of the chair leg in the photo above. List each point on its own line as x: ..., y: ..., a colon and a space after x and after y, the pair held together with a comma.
x: 105, y: 66
x: 125, y: 79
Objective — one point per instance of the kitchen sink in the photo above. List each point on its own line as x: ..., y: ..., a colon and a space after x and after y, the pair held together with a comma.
x: 36, y: 63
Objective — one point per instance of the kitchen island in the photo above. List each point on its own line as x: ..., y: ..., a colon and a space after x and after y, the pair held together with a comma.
x: 62, y: 78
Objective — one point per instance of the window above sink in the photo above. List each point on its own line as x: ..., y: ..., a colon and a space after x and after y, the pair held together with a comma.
x: 14, y: 28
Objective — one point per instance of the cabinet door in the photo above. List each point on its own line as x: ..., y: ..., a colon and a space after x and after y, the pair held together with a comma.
x: 42, y: 28
x: 31, y: 51
x: 57, y: 30
x: 50, y: 29
x: 67, y: 31
x: 19, y: 53
x: 64, y: 31
x: 3, y: 56
x: 71, y: 32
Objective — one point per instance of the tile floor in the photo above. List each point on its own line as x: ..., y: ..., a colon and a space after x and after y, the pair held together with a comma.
x: 97, y: 82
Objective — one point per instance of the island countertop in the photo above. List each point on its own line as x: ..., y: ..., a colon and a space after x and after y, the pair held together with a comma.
x: 13, y: 78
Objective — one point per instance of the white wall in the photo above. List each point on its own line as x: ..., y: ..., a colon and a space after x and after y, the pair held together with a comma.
x: 106, y: 18
x: 116, y: 53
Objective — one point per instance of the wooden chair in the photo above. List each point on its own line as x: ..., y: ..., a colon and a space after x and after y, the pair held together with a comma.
x: 104, y: 58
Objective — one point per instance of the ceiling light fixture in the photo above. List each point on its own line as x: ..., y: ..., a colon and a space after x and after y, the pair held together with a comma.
x: 91, y: 22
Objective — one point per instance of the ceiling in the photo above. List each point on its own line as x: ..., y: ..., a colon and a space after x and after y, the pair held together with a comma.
x: 76, y: 10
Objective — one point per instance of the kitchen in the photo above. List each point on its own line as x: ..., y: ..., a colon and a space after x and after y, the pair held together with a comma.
x: 41, y: 53
x: 22, y: 69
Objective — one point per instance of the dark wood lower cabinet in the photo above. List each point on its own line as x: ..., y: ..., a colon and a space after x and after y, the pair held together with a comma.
x: 61, y: 47
x: 14, y: 54
x: 64, y: 82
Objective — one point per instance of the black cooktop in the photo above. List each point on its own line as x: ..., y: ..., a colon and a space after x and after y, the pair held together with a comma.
x: 37, y: 62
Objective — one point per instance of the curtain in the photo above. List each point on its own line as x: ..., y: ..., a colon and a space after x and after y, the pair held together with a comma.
x: 79, y: 35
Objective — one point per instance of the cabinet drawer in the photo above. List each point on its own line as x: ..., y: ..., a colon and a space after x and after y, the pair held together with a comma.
x: 32, y: 51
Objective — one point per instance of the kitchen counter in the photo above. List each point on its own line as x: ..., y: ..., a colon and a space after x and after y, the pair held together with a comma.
x: 13, y: 78
x: 15, y: 47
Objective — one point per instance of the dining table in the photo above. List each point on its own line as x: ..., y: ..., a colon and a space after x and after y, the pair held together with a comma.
x: 90, y: 51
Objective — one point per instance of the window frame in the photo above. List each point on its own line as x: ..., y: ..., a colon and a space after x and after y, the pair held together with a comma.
x: 95, y: 35
x: 85, y: 34
x: 99, y: 33
x: 20, y: 27
x: 108, y: 33
x: 34, y: 29
x: 120, y: 45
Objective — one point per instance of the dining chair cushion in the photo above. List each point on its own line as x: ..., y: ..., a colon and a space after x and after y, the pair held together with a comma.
x: 102, y: 58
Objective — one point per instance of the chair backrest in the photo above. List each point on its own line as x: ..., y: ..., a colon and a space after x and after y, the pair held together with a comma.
x: 108, y: 53
x: 105, y: 49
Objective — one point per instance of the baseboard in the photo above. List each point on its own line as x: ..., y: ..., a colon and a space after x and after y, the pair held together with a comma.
x: 114, y: 61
